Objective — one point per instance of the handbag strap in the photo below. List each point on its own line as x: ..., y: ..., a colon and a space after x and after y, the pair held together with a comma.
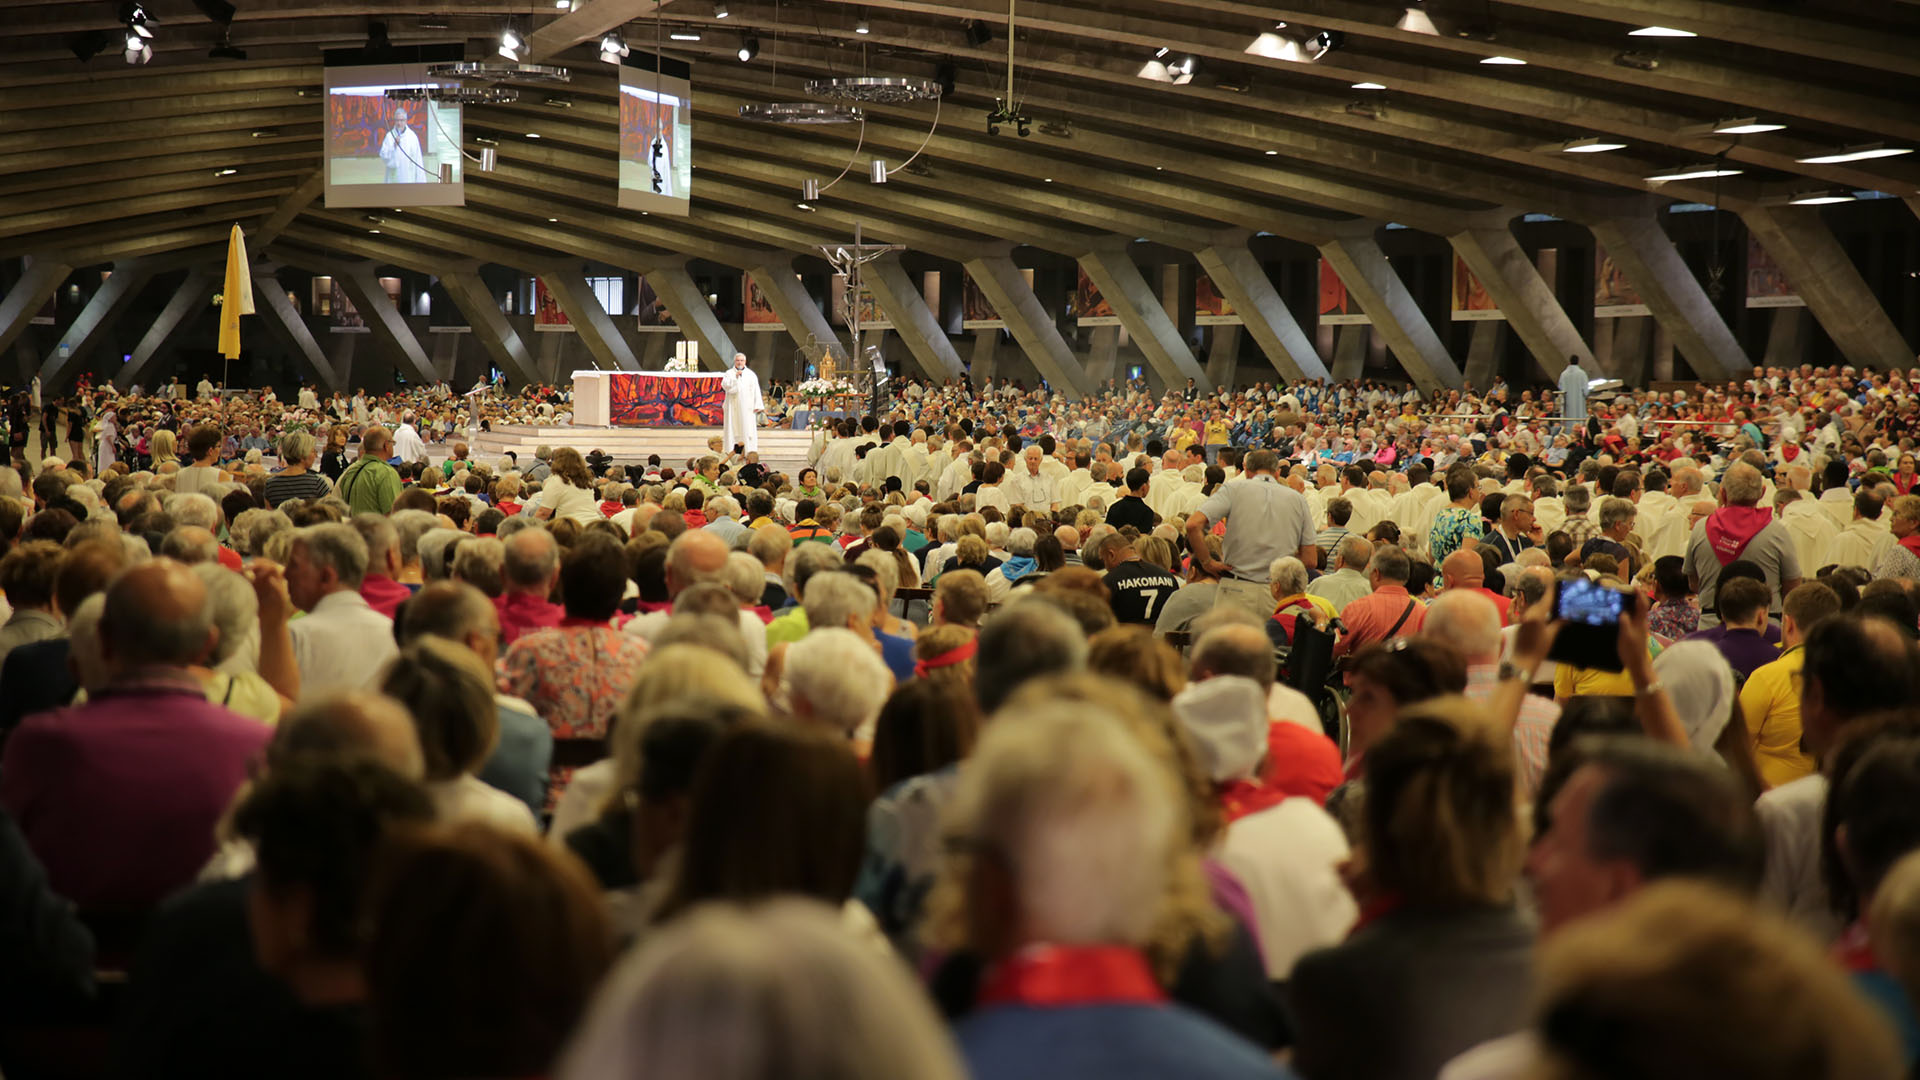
x: 1401, y: 621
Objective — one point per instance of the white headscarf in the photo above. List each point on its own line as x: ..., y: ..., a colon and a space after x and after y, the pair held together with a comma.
x: 1700, y: 682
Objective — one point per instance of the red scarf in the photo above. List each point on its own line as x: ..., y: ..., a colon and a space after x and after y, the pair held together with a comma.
x: 1911, y: 542
x: 959, y: 654
x: 1238, y: 798
x: 1731, y: 528
x: 1056, y: 976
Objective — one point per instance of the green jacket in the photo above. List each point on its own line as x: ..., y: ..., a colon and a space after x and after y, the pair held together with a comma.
x: 369, y: 485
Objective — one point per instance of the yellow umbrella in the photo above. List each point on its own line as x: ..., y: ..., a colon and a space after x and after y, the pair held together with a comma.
x: 237, y: 295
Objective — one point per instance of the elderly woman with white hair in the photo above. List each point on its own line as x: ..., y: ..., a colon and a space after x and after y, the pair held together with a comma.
x: 833, y: 679
x: 251, y: 670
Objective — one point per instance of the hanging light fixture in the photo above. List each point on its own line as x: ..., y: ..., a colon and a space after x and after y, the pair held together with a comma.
x: 512, y: 45
x: 613, y: 48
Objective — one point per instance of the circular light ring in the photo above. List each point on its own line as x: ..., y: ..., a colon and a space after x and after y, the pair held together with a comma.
x: 800, y: 112
x: 455, y: 95
x: 489, y: 71
x: 887, y: 90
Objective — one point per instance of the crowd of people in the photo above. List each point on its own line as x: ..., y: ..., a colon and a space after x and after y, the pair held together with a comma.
x: 1334, y: 731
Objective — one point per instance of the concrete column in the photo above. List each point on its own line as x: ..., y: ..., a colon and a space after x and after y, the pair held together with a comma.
x: 676, y: 288
x: 1483, y: 354
x: 1364, y: 269
x: 1223, y: 357
x: 491, y: 328
x: 591, y: 321
x: 795, y: 307
x: 1525, y: 298
x: 897, y: 295
x: 1240, y: 278
x: 188, y: 302
x: 361, y: 283
x: 1630, y: 349
x: 1787, y: 337
x: 1141, y: 312
x: 1642, y: 251
x: 42, y: 279
x: 1350, y: 351
x: 1103, y: 354
x: 1013, y: 300
x: 986, y: 346
x: 1827, y: 280
x: 270, y: 300
x: 121, y: 288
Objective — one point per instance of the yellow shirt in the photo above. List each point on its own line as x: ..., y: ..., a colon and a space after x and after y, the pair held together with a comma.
x: 1184, y: 436
x: 1570, y: 681
x: 1771, y: 703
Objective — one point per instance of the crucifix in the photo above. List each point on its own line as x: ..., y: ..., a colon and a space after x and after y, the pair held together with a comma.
x: 847, y: 260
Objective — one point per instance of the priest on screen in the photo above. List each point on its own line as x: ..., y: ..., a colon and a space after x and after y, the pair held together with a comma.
x: 400, y: 150
x: 744, y: 404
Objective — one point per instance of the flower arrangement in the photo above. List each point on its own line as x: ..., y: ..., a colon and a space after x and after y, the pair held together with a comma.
x: 683, y: 364
x: 818, y: 389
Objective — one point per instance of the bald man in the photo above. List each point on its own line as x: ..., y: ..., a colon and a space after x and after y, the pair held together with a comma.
x: 699, y: 557
x: 1466, y: 571
x: 119, y: 797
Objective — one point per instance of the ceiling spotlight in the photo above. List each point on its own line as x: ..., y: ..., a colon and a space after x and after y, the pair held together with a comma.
x: 1694, y: 172
x: 804, y: 206
x: 862, y: 27
x: 878, y: 170
x: 685, y: 35
x: 1589, y: 146
x: 749, y: 48
x: 1324, y: 42
x: 719, y: 11
x: 613, y: 48
x: 137, y: 19
x: 88, y: 45
x: 1046, y: 179
x: 1638, y: 61
x: 809, y: 189
x: 552, y: 220
x: 1820, y: 198
x: 1748, y: 126
x: 1660, y: 31
x: 228, y: 171
x: 375, y: 232
x: 137, y: 51
x: 1857, y: 153
x: 533, y: 134
x: 1507, y: 61
x: 512, y: 45
x: 1273, y: 153
x: 1185, y: 66
x: 563, y: 5
x: 1369, y: 86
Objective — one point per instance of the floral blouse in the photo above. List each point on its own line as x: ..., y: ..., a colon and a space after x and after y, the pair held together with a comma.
x: 574, y: 676
x: 1673, y: 619
x: 1452, y: 529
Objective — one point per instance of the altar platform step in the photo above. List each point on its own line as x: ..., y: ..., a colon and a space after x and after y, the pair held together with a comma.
x: 782, y: 450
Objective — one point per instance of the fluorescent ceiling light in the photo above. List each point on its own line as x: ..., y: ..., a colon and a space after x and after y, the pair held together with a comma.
x: 1819, y: 198
x: 804, y: 206
x: 1416, y: 21
x: 1276, y: 47
x: 1857, y: 153
x: 1695, y: 172
x: 1660, y: 31
x: 533, y: 134
x: 1746, y: 126
x: 1369, y: 86
x: 862, y: 27
x: 1161, y: 52
x: 1273, y: 153
x: 684, y: 35
x: 1590, y: 146
x: 1505, y: 60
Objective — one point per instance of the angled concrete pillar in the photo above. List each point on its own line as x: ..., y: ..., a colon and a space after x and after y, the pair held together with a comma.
x: 36, y: 286
x: 361, y: 282
x: 270, y: 300
x: 490, y: 325
x: 1632, y: 337
x: 1103, y: 354
x: 1525, y: 298
x: 185, y: 306
x: 1013, y: 300
x: 590, y: 320
x: 1223, y: 357
x: 1350, y: 351
x: 676, y: 288
x: 1827, y: 280
x: 1787, y: 337
x: 108, y: 302
x: 897, y: 295
x: 1483, y: 354
x: 1239, y: 277
x: 796, y: 309
x: 984, y: 357
x: 1642, y: 251
x: 1142, y: 313
x: 1364, y: 269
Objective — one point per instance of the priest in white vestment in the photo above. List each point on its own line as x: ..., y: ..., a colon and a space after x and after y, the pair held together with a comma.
x: 744, y: 404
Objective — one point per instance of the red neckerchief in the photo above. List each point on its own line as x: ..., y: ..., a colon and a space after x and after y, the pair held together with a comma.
x: 1731, y: 528
x: 1911, y: 542
x: 1854, y: 950
x: 1376, y: 909
x: 1238, y: 798
x: 1060, y: 976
